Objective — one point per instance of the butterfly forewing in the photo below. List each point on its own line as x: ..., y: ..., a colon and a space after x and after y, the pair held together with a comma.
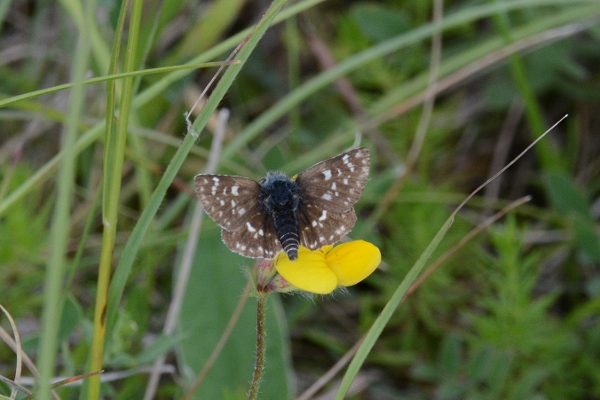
x: 257, y: 239
x: 229, y: 200
x: 337, y: 183
x: 319, y: 227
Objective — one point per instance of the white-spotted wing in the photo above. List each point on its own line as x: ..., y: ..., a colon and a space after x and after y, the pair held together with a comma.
x: 329, y: 191
x: 229, y: 200
x: 257, y: 239
x: 337, y: 183
x: 321, y: 204
x: 233, y: 203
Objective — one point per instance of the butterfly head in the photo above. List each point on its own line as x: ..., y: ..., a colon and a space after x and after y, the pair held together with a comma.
x: 279, y: 192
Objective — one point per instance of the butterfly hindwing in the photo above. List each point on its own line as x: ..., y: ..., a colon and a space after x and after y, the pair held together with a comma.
x: 337, y: 183
x: 256, y: 239
x: 229, y: 200
x: 320, y: 227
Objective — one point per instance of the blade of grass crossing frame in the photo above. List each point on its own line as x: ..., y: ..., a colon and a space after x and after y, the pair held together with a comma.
x: 114, y: 155
x: 327, y: 77
x: 53, y: 284
x: 388, y: 310
x: 123, y: 269
x: 401, y: 291
x: 153, y: 90
x: 548, y: 155
x: 462, y: 17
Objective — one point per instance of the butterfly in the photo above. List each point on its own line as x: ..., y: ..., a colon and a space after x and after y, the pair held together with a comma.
x: 312, y: 209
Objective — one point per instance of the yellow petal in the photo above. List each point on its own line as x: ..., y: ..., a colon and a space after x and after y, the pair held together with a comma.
x: 309, y: 272
x: 325, y: 249
x: 353, y: 261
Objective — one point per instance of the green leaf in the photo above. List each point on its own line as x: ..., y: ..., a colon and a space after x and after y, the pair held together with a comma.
x: 452, y: 389
x: 587, y: 240
x: 592, y: 287
x: 160, y: 346
x: 500, y: 370
x: 215, y: 287
x: 71, y: 315
x: 525, y: 387
x: 564, y: 196
x: 378, y: 22
x: 479, y: 363
x: 215, y: 19
x: 449, y: 357
x: 570, y: 201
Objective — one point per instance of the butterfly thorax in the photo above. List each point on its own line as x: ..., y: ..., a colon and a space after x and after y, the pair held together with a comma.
x: 280, y: 198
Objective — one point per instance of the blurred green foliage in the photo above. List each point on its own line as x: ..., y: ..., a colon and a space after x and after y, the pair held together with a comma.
x: 512, y: 315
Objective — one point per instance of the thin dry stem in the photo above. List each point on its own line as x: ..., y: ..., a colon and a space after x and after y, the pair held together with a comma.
x: 430, y: 93
x: 330, y: 374
x: 501, y: 151
x: 189, y: 254
x: 213, y: 79
x: 478, y: 66
x: 18, y: 350
x: 507, y: 166
x: 15, y: 345
x: 349, y: 94
x: 474, y: 232
x: 112, y: 376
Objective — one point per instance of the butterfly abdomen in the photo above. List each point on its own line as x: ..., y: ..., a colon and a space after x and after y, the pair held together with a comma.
x: 286, y: 226
x: 280, y: 199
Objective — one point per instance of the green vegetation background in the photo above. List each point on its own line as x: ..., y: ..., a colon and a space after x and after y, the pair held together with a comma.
x: 512, y: 314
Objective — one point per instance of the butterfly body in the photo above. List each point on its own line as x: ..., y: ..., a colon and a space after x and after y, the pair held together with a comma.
x: 315, y: 209
x: 281, y: 198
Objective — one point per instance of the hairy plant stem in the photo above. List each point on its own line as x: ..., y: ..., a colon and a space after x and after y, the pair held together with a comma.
x: 260, y: 345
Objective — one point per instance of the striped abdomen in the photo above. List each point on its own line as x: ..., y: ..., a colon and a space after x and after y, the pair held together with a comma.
x: 286, y: 227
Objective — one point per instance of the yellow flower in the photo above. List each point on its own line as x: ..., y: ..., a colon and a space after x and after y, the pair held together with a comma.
x: 322, y: 271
